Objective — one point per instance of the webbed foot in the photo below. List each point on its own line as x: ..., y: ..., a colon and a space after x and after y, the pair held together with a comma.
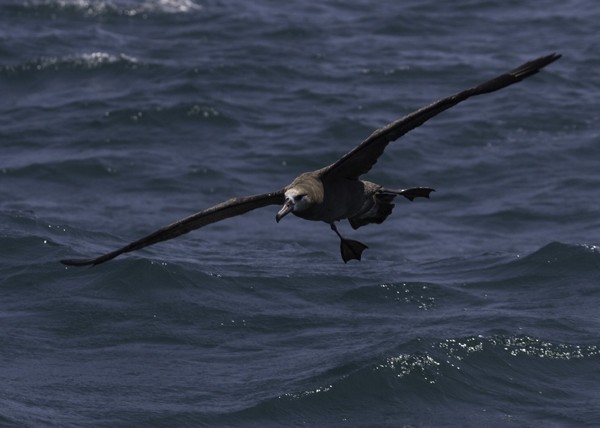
x: 351, y: 250
x: 413, y: 192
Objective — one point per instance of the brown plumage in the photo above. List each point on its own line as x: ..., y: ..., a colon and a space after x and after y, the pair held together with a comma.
x: 335, y: 192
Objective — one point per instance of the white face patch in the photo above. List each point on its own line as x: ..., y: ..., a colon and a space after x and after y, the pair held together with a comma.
x: 291, y: 193
x: 299, y: 200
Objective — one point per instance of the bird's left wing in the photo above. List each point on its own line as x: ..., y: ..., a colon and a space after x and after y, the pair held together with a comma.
x: 362, y: 158
x: 229, y: 208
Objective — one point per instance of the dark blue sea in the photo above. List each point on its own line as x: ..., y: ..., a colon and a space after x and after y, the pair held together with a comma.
x: 477, y: 307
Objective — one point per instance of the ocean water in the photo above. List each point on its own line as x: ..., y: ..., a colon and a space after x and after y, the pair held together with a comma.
x: 478, y: 307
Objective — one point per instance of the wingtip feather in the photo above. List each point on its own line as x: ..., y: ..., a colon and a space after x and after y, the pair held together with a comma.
x: 78, y: 262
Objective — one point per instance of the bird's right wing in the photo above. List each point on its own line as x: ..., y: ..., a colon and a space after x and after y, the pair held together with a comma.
x: 229, y: 208
x: 362, y: 158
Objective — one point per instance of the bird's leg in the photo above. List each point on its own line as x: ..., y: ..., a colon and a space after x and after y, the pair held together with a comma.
x: 350, y: 249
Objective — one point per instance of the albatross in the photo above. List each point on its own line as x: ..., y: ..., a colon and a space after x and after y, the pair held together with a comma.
x: 335, y: 192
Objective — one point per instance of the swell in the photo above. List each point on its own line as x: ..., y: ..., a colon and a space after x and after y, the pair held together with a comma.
x: 447, y: 375
x: 92, y: 9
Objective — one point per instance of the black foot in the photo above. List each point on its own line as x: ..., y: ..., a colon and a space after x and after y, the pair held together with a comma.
x: 416, y: 192
x: 351, y: 250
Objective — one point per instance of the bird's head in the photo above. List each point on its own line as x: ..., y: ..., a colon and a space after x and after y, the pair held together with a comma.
x: 296, y: 201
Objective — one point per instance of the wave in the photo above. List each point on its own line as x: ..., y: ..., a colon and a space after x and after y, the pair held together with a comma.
x: 550, y: 263
x: 93, y: 8
x: 451, y: 373
x: 83, y: 61
x: 412, y: 368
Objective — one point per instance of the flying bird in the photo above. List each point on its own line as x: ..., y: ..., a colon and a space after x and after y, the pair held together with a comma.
x: 335, y: 192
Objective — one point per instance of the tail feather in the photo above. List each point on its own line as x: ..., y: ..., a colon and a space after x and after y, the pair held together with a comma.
x: 383, y: 205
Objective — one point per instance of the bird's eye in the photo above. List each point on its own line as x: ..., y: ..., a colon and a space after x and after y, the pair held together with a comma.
x: 298, y: 197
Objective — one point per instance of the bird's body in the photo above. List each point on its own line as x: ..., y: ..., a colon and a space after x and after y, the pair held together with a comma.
x: 335, y: 192
x: 350, y: 196
x: 338, y: 198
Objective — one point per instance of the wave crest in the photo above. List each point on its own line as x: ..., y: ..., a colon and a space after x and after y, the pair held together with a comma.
x: 92, y: 8
x: 89, y: 61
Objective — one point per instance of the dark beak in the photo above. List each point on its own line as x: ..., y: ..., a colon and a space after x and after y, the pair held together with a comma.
x: 285, y: 210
